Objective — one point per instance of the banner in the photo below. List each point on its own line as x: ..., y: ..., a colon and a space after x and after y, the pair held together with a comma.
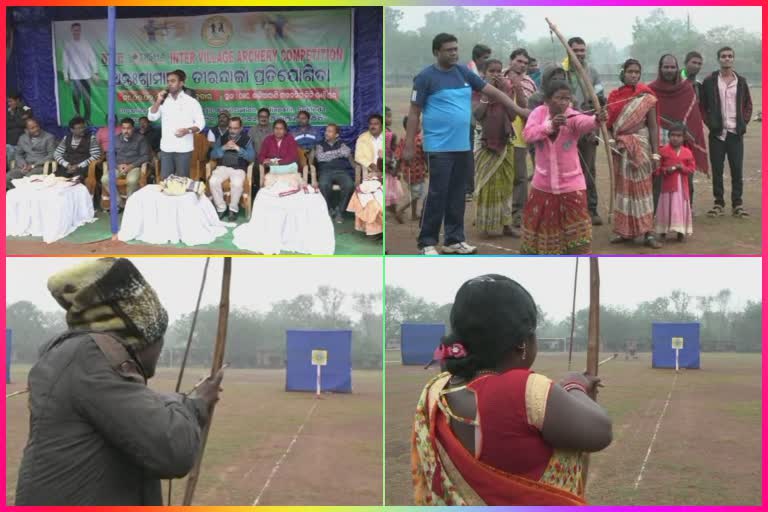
x: 285, y: 61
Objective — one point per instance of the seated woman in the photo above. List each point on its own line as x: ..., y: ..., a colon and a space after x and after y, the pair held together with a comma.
x: 287, y: 215
x: 368, y: 200
x: 279, y: 154
x: 489, y: 431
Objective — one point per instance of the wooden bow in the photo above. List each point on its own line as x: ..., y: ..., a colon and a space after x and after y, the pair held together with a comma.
x: 593, y: 340
x: 218, y: 362
x: 587, y: 87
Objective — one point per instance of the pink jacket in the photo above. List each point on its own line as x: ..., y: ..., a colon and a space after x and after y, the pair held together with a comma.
x: 558, y: 170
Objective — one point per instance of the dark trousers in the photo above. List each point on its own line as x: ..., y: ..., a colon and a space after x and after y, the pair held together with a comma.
x: 81, y: 93
x: 587, y: 152
x: 327, y: 178
x: 445, y: 199
x: 175, y: 163
x: 520, y: 187
x: 81, y: 172
x: 471, y: 174
x: 733, y: 148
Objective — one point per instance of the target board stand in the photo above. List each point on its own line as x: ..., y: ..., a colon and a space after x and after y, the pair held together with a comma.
x: 677, y: 345
x: 319, y: 359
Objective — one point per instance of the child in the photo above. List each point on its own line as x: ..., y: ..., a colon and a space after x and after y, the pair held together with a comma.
x: 414, y: 171
x: 394, y: 189
x: 673, y: 213
x: 555, y: 218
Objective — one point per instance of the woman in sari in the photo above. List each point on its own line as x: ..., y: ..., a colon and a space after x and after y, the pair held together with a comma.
x: 555, y: 218
x: 495, y: 158
x: 489, y: 431
x: 633, y: 120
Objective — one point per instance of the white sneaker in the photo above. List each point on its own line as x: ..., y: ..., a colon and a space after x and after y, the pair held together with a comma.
x: 429, y: 250
x: 459, y: 248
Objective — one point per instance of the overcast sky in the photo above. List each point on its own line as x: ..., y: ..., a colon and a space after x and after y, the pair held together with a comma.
x: 623, y: 281
x: 256, y: 282
x: 594, y: 23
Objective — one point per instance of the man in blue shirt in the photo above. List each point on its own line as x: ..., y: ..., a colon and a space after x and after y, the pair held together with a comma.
x: 443, y: 92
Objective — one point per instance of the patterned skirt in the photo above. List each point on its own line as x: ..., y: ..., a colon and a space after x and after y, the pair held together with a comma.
x: 633, y: 209
x: 494, y: 183
x: 556, y: 223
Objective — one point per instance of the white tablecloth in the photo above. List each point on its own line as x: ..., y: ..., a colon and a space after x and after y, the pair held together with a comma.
x: 51, y: 210
x: 293, y: 223
x: 156, y: 218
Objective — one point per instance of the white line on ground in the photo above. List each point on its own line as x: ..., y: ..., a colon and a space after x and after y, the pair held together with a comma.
x: 284, y: 455
x: 656, y: 431
x: 498, y: 247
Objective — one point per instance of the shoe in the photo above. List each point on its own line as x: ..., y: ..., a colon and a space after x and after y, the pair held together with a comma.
x: 597, y: 220
x: 232, y: 217
x: 680, y: 237
x: 716, y: 211
x: 429, y: 250
x: 222, y: 214
x: 468, y: 198
x: 338, y: 218
x: 651, y: 242
x: 459, y: 248
x: 740, y: 212
x: 618, y: 239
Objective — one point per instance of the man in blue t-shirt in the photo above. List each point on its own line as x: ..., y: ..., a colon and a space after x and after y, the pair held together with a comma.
x: 443, y: 92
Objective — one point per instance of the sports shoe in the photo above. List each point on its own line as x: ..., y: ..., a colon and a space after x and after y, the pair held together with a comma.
x: 459, y: 248
x: 429, y: 250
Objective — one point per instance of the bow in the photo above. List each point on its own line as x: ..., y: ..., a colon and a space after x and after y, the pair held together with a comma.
x: 587, y: 87
x: 593, y: 340
x: 218, y: 362
x: 187, y: 348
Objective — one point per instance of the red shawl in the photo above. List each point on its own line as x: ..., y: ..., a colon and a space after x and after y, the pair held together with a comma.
x: 619, y: 98
x: 287, y: 152
x: 678, y: 103
x: 669, y: 158
x: 497, y: 126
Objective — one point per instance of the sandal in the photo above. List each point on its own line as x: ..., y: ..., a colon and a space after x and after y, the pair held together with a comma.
x: 740, y: 212
x: 651, y: 242
x: 715, y: 211
x: 618, y: 239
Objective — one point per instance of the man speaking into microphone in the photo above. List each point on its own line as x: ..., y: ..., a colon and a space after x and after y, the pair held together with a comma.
x: 181, y: 116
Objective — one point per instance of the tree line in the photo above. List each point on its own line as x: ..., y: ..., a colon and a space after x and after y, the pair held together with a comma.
x: 722, y: 328
x: 409, y: 51
x: 255, y: 339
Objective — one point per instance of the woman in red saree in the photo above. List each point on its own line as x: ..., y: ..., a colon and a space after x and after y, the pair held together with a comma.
x: 489, y: 431
x: 633, y: 120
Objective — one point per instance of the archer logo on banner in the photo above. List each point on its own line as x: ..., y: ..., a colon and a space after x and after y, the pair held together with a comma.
x: 319, y: 359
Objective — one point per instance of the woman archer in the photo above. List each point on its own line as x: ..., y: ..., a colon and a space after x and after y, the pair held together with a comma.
x: 489, y: 431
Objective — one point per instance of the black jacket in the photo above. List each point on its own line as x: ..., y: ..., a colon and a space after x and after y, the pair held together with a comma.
x: 98, y: 434
x: 711, y: 111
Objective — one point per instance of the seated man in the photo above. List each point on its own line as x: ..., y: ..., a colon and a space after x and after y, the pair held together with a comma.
x: 132, y: 151
x: 334, y: 164
x: 305, y: 134
x: 216, y: 132
x: 76, y: 151
x: 233, y: 151
x: 35, y: 147
x: 150, y: 133
x: 368, y: 201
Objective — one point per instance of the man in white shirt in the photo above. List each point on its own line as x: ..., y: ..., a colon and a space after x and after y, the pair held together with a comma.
x: 79, y: 66
x: 181, y: 117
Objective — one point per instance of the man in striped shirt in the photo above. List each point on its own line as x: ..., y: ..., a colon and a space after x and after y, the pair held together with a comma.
x: 76, y: 151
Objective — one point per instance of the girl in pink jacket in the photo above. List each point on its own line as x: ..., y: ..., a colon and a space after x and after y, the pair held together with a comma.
x: 556, y: 219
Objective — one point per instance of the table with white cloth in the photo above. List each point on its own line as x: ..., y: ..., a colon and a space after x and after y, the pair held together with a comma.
x: 285, y: 219
x: 154, y: 217
x: 48, y: 206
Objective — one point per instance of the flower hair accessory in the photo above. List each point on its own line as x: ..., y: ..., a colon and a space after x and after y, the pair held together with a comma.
x: 453, y: 351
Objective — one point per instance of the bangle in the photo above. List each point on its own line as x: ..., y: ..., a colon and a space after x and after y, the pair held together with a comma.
x: 570, y: 386
x: 656, y: 157
x: 484, y: 100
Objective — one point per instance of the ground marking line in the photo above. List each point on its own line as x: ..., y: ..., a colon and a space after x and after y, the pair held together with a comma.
x: 284, y: 455
x: 656, y: 431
